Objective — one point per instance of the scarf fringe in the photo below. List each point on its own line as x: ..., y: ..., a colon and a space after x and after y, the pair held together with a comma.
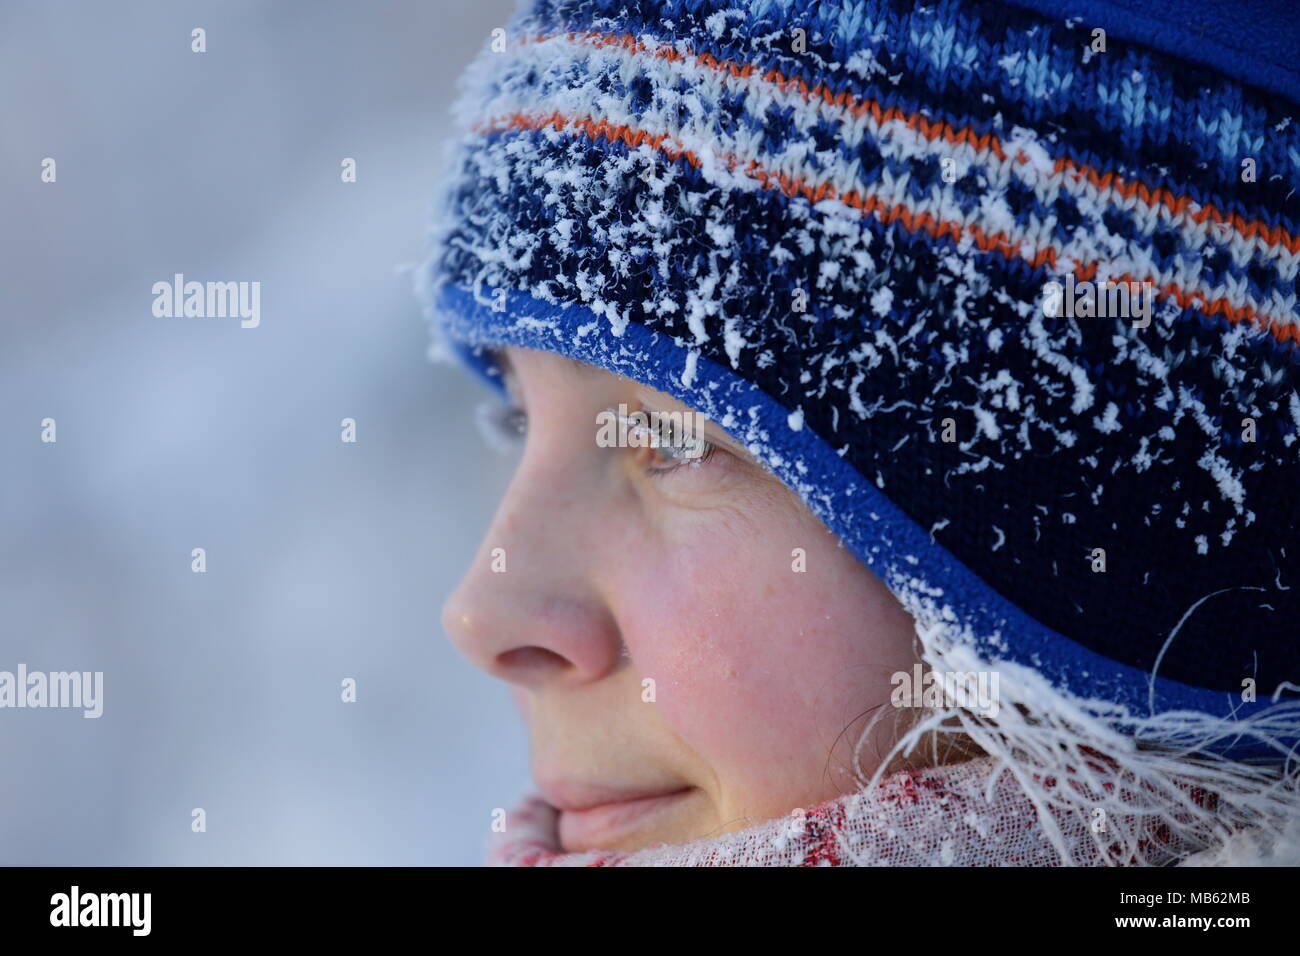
x: 1145, y: 788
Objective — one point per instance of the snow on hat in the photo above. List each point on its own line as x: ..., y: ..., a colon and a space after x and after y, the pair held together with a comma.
x: 834, y: 228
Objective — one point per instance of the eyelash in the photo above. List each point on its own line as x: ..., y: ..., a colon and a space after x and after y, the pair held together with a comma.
x: 658, y: 472
x: 505, y: 426
x: 660, y: 466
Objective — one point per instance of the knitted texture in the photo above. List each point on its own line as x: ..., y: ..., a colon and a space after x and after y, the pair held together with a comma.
x: 831, y: 228
x: 966, y: 814
x: 1252, y: 41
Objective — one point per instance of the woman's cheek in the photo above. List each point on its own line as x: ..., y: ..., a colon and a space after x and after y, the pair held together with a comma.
x: 740, y: 649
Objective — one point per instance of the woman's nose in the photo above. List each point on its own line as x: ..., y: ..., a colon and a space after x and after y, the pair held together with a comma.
x: 530, y: 610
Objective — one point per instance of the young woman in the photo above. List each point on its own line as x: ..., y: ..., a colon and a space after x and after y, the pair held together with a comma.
x: 911, y: 403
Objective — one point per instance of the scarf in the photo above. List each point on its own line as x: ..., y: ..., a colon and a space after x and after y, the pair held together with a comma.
x: 973, y: 813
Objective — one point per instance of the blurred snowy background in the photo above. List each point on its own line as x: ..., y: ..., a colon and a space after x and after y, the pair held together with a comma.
x: 325, y: 560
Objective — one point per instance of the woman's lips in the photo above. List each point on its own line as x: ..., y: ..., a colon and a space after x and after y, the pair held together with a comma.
x: 594, y: 818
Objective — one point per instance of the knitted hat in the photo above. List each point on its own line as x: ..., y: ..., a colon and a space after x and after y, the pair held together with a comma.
x: 1008, y: 299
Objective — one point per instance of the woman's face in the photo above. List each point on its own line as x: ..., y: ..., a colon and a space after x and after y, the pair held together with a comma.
x: 679, y: 677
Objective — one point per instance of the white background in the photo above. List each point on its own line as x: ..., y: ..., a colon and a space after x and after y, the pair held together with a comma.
x: 325, y: 560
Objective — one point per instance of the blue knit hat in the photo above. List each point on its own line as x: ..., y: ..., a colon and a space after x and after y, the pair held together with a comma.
x: 834, y: 228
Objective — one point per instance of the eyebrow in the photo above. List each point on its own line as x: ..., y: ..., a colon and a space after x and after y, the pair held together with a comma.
x: 580, y: 368
x: 502, y: 359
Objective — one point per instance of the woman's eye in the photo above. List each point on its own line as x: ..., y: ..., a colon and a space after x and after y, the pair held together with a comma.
x: 670, y: 450
x: 668, y: 458
x: 503, y: 426
x: 662, y: 446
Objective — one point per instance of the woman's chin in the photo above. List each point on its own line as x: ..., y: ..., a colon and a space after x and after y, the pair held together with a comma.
x: 636, y: 824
